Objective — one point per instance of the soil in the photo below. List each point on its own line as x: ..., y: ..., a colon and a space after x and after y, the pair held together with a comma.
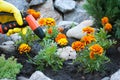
x: 71, y: 72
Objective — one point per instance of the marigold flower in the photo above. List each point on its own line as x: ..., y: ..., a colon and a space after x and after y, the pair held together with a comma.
x: 88, y: 39
x: 42, y: 21
x: 88, y: 30
x: 96, y: 49
x: 108, y: 27
x: 59, y: 36
x: 104, y: 20
x: 34, y: 13
x: 92, y: 55
x: 50, y: 22
x: 50, y: 31
x: 24, y: 48
x: 78, y: 45
x: 60, y: 29
x: 63, y: 42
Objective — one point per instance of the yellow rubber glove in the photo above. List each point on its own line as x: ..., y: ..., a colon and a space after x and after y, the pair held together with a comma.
x: 7, y: 7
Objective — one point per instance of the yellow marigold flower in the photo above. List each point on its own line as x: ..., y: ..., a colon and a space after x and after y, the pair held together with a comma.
x: 50, y: 22
x: 78, y: 45
x: 34, y: 13
x: 96, y: 49
x: 63, y: 42
x: 42, y: 21
x: 104, y: 20
x: 108, y: 27
x: 88, y: 39
x: 50, y: 31
x: 24, y: 48
x: 88, y: 30
x: 59, y: 36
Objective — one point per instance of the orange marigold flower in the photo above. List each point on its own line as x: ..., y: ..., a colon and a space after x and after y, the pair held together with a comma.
x: 34, y: 13
x: 24, y: 48
x: 104, y: 20
x: 108, y: 27
x: 78, y: 45
x: 92, y: 55
x: 42, y: 22
x: 88, y: 30
x: 60, y: 29
x: 97, y: 49
x: 88, y: 39
x: 59, y: 36
x: 63, y: 42
x: 50, y: 31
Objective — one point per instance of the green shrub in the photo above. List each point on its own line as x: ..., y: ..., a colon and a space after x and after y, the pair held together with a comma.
x: 109, y: 8
x: 47, y: 57
x: 9, y: 68
x: 96, y: 61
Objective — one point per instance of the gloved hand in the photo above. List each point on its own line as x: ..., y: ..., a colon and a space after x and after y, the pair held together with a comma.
x: 5, y: 19
x: 9, y: 8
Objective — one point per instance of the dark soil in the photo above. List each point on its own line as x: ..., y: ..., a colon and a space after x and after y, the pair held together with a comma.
x: 71, y: 72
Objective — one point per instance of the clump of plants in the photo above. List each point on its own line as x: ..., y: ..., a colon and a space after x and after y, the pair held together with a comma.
x: 9, y: 68
x: 105, y: 8
x: 91, y: 49
x: 47, y: 57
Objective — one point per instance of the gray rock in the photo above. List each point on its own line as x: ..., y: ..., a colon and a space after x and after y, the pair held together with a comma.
x: 78, y: 15
x: 22, y: 78
x: 15, y: 37
x: 65, y: 5
x: 47, y: 10
x: 36, y: 47
x: 67, y: 24
x: 115, y: 76
x: 8, y: 47
x: 76, y: 32
x: 20, y: 4
x: 105, y: 78
x: 118, y: 49
x: 37, y: 75
x: 36, y: 2
x: 4, y: 38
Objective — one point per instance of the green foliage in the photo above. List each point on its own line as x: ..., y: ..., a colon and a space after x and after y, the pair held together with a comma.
x: 117, y: 25
x: 28, y: 38
x: 47, y: 57
x: 100, y: 8
x: 9, y: 68
x: 91, y: 65
x: 103, y: 39
x: 96, y: 64
x: 54, y: 33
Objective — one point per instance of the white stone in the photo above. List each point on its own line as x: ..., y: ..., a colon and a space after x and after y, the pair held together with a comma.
x: 66, y: 53
x: 115, y: 76
x: 105, y: 78
x: 38, y: 75
x: 76, y: 32
x: 22, y: 78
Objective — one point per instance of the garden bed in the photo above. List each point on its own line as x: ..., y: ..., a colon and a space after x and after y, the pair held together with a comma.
x: 71, y: 71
